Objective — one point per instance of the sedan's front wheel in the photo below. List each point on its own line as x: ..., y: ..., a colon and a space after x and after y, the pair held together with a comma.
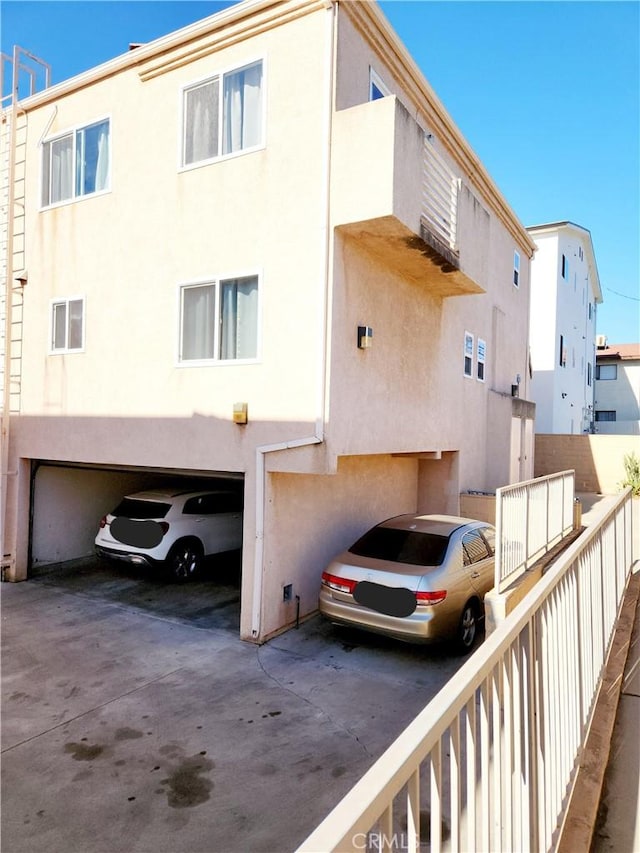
x: 184, y: 560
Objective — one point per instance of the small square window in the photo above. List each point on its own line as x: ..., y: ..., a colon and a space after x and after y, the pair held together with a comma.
x: 606, y: 371
x: 67, y: 325
x: 219, y: 320
x: 605, y: 415
x: 223, y: 115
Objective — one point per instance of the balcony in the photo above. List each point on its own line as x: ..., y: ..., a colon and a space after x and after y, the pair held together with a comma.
x: 395, y: 194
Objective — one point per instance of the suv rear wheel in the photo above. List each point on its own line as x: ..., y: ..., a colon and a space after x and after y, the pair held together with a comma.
x: 184, y: 560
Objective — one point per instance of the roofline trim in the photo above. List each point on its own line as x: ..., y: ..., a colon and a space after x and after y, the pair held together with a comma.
x: 567, y: 225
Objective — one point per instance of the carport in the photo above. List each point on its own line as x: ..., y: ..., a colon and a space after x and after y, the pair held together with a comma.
x: 67, y: 501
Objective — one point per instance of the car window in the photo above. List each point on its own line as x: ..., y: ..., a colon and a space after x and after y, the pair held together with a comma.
x: 212, y: 504
x: 402, y: 546
x: 489, y: 534
x: 474, y: 547
x: 135, y: 508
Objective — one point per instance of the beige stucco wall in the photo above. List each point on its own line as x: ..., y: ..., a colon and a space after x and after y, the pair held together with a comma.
x: 318, y: 516
x: 259, y: 213
x: 598, y: 460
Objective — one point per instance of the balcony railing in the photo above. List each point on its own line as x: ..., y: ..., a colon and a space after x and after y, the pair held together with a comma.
x: 489, y: 763
x: 440, y: 189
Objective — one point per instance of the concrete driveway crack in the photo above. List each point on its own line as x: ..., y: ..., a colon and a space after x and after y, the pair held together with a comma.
x: 91, y: 710
x: 313, y: 705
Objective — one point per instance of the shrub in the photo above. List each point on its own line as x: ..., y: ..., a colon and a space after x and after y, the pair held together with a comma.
x: 632, y: 473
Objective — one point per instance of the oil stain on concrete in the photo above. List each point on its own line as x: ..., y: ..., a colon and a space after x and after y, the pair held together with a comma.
x: 83, y: 751
x: 185, y: 785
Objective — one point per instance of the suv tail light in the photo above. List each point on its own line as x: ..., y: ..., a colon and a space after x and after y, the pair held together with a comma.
x: 427, y: 598
x: 339, y: 584
x: 103, y: 522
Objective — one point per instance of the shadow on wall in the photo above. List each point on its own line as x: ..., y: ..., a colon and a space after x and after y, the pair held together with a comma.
x: 598, y: 460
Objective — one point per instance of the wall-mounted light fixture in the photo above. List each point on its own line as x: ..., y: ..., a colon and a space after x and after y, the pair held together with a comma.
x: 365, y: 337
x: 240, y: 413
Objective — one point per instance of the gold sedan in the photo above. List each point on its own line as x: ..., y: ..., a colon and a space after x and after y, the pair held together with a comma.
x: 417, y: 578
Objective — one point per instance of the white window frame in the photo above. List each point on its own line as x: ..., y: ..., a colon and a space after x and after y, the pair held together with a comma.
x: 376, y: 80
x: 217, y: 281
x: 66, y: 350
x: 481, y: 359
x: 220, y: 75
x: 72, y: 132
x: 468, y: 351
x: 516, y: 269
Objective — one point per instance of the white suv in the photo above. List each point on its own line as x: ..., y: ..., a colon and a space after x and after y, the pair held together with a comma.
x: 176, y: 528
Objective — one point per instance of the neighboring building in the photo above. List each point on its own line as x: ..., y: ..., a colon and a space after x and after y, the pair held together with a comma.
x: 617, y: 395
x: 565, y: 293
x: 259, y: 249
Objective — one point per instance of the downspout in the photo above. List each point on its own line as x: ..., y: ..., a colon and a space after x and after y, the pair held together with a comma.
x: 318, y: 436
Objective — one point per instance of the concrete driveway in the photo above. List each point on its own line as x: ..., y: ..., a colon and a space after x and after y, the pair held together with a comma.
x: 135, y: 721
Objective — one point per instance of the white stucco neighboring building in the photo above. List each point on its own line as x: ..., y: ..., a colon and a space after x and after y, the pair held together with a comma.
x: 259, y: 249
x: 617, y: 388
x: 565, y: 293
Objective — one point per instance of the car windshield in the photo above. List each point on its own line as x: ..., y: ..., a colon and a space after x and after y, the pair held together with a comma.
x: 402, y: 546
x: 133, y: 508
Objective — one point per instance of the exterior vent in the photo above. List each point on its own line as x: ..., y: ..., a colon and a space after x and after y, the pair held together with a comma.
x: 601, y: 341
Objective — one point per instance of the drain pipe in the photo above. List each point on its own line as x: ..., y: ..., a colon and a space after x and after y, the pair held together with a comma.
x: 318, y: 436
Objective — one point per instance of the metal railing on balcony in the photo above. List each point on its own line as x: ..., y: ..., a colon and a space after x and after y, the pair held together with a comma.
x: 440, y: 189
x: 531, y: 517
x: 489, y: 764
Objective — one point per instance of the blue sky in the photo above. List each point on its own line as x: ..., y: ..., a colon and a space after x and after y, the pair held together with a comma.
x: 546, y: 93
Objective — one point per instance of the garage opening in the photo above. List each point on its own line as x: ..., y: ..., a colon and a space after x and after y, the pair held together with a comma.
x: 70, y: 501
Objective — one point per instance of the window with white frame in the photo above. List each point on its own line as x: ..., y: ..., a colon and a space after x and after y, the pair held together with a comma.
x: 76, y: 164
x: 468, y: 354
x: 377, y: 88
x: 67, y: 325
x: 219, y: 320
x: 481, y: 359
x: 516, y: 269
x: 223, y: 115
x: 605, y: 414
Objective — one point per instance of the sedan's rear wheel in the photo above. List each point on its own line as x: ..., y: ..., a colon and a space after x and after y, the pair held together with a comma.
x: 184, y: 560
x: 468, y: 627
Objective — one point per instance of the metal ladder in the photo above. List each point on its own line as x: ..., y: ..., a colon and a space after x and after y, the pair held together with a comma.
x: 23, y: 67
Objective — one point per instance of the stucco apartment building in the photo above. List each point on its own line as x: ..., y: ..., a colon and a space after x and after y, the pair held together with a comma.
x: 617, y: 388
x: 565, y: 293
x: 258, y: 248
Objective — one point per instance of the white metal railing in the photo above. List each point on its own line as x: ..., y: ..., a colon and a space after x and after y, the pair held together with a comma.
x: 531, y: 517
x: 489, y: 764
x: 439, y: 195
